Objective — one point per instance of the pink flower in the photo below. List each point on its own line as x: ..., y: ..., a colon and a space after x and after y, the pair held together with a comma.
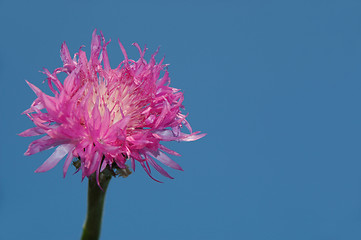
x: 104, y: 116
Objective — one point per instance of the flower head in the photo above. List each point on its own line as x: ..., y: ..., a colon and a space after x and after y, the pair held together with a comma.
x: 105, y: 116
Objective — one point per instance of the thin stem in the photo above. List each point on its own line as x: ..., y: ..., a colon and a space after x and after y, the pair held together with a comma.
x: 96, y: 196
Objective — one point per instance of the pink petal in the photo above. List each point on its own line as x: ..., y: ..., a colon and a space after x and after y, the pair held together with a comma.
x: 35, y: 131
x: 95, y: 162
x: 162, y: 115
x: 105, y: 54
x: 42, y: 144
x: 105, y: 121
x: 49, y: 103
x: 163, y: 158
x: 65, y: 55
x: 169, y: 151
x: 53, y: 78
x: 191, y: 137
x: 57, y: 155
x: 96, y: 118
x: 36, y: 90
x: 188, y: 126
x: 95, y: 48
x: 67, y: 162
x: 147, y: 171
x: 123, y: 51
x: 159, y: 168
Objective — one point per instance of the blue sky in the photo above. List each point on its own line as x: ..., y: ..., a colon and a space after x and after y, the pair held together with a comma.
x: 275, y: 84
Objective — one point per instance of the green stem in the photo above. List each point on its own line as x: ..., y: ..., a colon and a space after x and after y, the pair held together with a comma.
x: 96, y: 196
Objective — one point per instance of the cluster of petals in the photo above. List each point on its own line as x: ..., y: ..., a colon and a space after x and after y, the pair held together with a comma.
x: 105, y: 116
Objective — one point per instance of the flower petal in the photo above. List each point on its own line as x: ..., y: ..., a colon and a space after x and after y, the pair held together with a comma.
x: 159, y: 168
x: 65, y: 55
x: 67, y: 162
x: 42, y: 144
x: 57, y: 155
x: 36, y: 90
x: 169, y: 151
x: 148, y: 172
x: 35, y: 131
x: 163, y: 158
x: 191, y: 137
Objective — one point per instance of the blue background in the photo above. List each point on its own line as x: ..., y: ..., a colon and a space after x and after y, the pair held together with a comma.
x: 275, y: 84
